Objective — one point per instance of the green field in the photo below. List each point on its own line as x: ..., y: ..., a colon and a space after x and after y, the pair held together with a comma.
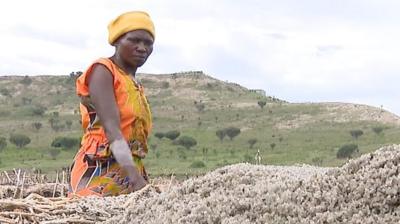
x: 196, y: 105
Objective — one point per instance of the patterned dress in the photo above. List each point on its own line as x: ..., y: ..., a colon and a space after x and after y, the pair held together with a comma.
x: 95, y: 171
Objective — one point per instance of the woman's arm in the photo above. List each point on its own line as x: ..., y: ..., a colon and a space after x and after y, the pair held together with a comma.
x: 101, y: 90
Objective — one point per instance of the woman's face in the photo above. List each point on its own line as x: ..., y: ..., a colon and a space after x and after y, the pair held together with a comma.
x: 134, y: 47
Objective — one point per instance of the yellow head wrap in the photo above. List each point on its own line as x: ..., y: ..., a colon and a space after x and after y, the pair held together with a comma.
x: 129, y: 21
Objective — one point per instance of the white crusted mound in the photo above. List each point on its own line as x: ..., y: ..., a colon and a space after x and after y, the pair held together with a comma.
x: 365, y: 190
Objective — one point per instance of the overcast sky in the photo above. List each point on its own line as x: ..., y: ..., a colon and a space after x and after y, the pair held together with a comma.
x: 296, y: 50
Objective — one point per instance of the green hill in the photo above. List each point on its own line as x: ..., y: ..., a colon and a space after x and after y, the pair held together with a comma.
x: 195, y: 105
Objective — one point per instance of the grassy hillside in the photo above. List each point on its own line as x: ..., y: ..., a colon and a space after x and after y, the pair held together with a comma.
x: 196, y: 105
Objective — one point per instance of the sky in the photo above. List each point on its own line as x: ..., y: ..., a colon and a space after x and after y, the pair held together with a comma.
x: 296, y: 50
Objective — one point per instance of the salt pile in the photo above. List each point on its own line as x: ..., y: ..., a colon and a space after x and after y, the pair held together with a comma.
x: 365, y: 190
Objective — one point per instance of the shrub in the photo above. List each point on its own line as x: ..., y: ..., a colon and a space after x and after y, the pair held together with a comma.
x: 153, y: 147
x: 187, y: 142
x: 317, y: 161
x: 55, y: 124
x: 247, y: 158
x: 172, y: 135
x: 65, y: 142
x: 346, y: 151
x: 3, y: 143
x: 5, y: 113
x: 159, y: 135
x: 165, y: 85
x: 5, y: 92
x: 20, y: 140
x: 37, y: 110
x: 200, y: 107
x: 37, y: 125
x: 251, y: 142
x: 54, y: 153
x: 181, y: 154
x: 261, y: 103
x: 221, y: 134
x: 356, y: 133
x: 197, y: 164
x: 26, y: 101
x: 26, y: 80
x: 68, y: 123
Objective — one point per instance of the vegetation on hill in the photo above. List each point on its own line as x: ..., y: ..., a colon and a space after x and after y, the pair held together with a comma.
x: 200, y: 123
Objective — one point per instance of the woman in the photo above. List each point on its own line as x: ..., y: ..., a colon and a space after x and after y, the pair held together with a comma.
x: 115, y: 113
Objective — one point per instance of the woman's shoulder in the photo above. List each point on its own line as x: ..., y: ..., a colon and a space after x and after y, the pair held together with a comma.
x: 100, y: 63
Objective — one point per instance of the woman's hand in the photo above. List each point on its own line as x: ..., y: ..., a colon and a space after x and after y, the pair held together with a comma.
x: 122, y: 153
x: 136, y: 181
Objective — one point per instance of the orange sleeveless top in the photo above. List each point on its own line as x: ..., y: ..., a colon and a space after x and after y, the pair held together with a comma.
x: 134, y: 110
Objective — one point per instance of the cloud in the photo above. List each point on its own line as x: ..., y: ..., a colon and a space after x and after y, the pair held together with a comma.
x: 314, y: 51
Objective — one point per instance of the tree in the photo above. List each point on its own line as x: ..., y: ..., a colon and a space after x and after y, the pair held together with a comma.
x: 65, y: 142
x: 378, y: 130
x: 356, y: 133
x: 159, y: 135
x: 172, y: 135
x: 261, y: 103
x: 251, y: 142
x: 187, y: 142
x: 37, y: 125
x: 232, y: 132
x: 20, y: 140
x: 3, y: 143
x: 346, y: 151
x: 221, y: 134
x: 272, y: 145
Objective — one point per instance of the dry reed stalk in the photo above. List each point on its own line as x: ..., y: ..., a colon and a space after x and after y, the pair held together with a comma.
x: 8, y: 177
x: 68, y: 220
x: 170, y: 182
x: 55, y: 185
x: 17, y: 185
x: 62, y: 184
x: 22, y: 187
